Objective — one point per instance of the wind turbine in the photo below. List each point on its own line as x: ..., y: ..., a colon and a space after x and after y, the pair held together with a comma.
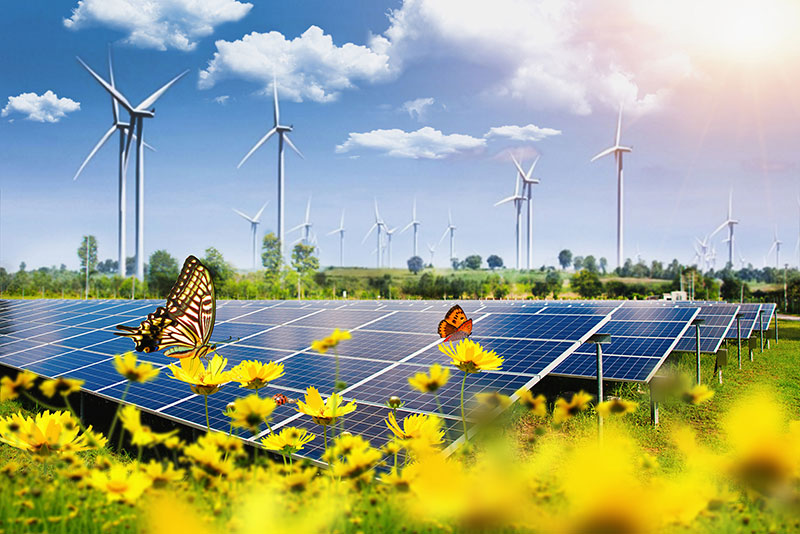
x: 528, y: 181
x: 415, y: 223
x: 340, y: 230
x: 452, y: 229
x: 378, y: 224
x: 124, y: 129
x: 729, y: 222
x: 432, y: 250
x: 254, y: 221
x: 517, y: 199
x: 617, y: 150
x: 283, y: 136
x: 389, y: 234
x: 137, y: 115
x: 776, y: 244
x: 703, y: 251
x: 305, y: 225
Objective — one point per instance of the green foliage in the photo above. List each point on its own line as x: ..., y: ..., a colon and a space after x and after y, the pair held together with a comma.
x: 108, y: 266
x: 494, y: 262
x: 590, y: 264
x: 271, y: 257
x: 304, y: 264
x: 603, y: 265
x: 415, y: 264
x: 586, y: 284
x: 220, y: 269
x: 92, y: 250
x: 565, y: 258
x: 473, y: 262
x: 553, y: 281
x: 162, y: 272
x: 732, y: 289
x: 577, y: 263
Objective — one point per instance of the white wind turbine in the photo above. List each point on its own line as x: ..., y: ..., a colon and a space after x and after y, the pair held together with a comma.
x: 254, y: 222
x: 283, y: 136
x: 389, y: 234
x: 340, y: 231
x: 617, y: 150
x: 517, y: 199
x: 729, y: 222
x: 703, y: 252
x: 137, y: 115
x: 528, y: 181
x: 305, y: 225
x: 776, y: 245
x: 452, y: 229
x: 432, y: 251
x: 415, y: 223
x: 379, y: 225
x: 124, y: 129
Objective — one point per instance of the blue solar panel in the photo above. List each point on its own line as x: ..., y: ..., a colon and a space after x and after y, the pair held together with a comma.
x: 767, y: 314
x: 747, y: 322
x: 717, y: 318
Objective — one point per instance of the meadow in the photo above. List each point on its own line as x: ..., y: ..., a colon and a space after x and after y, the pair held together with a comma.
x: 724, y: 458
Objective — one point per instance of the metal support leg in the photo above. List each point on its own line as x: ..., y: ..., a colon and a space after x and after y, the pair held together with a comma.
x: 739, y: 341
x: 653, y: 407
x: 599, y: 388
x: 761, y: 329
x: 697, y: 339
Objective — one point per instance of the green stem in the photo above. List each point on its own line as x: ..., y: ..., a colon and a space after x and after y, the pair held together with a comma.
x: 205, y: 401
x: 139, y: 456
x: 40, y: 403
x: 69, y: 407
x: 325, y: 436
x: 283, y: 455
x: 119, y: 407
x: 463, y: 416
x: 441, y: 412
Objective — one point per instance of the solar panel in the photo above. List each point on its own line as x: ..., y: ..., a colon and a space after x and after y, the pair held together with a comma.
x: 767, y: 313
x: 641, y: 339
x: 747, y: 322
x: 717, y: 319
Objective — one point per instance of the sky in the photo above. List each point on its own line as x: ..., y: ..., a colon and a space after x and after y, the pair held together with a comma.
x: 392, y: 101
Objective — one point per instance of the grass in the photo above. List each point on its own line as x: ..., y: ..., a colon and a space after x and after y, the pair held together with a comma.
x: 776, y: 370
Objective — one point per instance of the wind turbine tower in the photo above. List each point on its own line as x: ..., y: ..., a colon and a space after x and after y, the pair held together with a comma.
x: 137, y: 115
x: 254, y: 221
x: 377, y: 225
x: 415, y: 223
x: 528, y: 181
x: 617, y: 150
x: 729, y: 222
x: 452, y: 229
x: 340, y: 231
x: 283, y: 136
x: 776, y: 245
x: 517, y: 199
x: 305, y: 225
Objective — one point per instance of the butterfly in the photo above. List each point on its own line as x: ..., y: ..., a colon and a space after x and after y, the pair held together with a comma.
x: 185, y: 323
x: 455, y: 325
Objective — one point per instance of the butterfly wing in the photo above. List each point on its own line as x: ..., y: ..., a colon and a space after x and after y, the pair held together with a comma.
x: 462, y: 332
x: 185, y: 324
x: 455, y: 316
x: 445, y: 329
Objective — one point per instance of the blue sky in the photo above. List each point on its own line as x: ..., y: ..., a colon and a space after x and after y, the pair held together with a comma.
x: 392, y: 100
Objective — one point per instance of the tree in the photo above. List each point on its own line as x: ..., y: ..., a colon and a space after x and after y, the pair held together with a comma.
x: 303, y: 262
x: 22, y: 266
x: 108, y: 266
x: 731, y: 289
x: 539, y: 289
x: 473, y: 262
x: 130, y: 265
x: 271, y: 256
x: 415, y: 264
x: 162, y: 272
x: 455, y: 264
x: 565, y: 258
x: 92, y: 253
x: 220, y: 269
x: 577, y: 263
x: 590, y: 264
x: 494, y: 261
x: 603, y: 265
x: 586, y: 284
x: 553, y: 281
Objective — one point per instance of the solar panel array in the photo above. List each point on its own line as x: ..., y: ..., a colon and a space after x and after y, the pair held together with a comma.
x: 391, y: 341
x: 717, y: 319
x: 747, y: 322
x: 767, y: 313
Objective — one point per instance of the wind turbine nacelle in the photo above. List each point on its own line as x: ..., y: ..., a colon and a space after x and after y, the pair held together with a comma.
x: 280, y: 128
x: 146, y: 113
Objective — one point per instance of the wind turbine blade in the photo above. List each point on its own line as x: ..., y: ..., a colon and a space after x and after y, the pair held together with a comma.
x: 406, y: 227
x: 619, y: 126
x: 443, y: 236
x: 111, y: 90
x: 128, y: 138
x: 99, y: 144
x: 289, y: 142
x: 333, y: 231
x: 605, y: 152
x: 147, y: 145
x: 341, y: 223
x: 719, y: 228
x: 298, y: 227
x: 530, y: 171
x: 371, y: 228
x: 256, y: 146
x: 449, y: 217
x: 114, y: 104
x: 517, y: 165
x: 258, y: 215
x: 150, y: 100
x: 243, y: 215
x: 507, y: 199
x: 377, y: 215
x: 276, y: 113
x: 308, y: 210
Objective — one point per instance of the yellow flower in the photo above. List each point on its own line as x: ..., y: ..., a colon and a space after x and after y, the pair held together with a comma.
x: 10, y: 389
x: 470, y: 357
x: 62, y: 386
x: 494, y: 400
x: 159, y: 475
x: 426, y: 429
x: 698, y: 394
x: 203, y: 381
x: 141, y: 435
x: 536, y: 405
x: 399, y: 480
x: 207, y: 459
x: 46, y: 433
x: 119, y: 484
x: 431, y: 382
x: 126, y: 366
x: 324, y: 345
x: 288, y: 440
x: 252, y: 374
x: 353, y: 458
x: 249, y: 412
x: 324, y: 413
x: 616, y: 407
x: 564, y: 410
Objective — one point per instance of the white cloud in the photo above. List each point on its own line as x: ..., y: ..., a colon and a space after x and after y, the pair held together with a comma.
x: 40, y: 108
x: 159, y: 24
x: 222, y: 99
x: 418, y: 107
x: 530, y: 132
x: 309, y: 67
x: 425, y: 143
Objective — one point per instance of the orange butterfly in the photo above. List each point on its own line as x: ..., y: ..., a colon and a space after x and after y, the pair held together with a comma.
x: 455, y: 325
